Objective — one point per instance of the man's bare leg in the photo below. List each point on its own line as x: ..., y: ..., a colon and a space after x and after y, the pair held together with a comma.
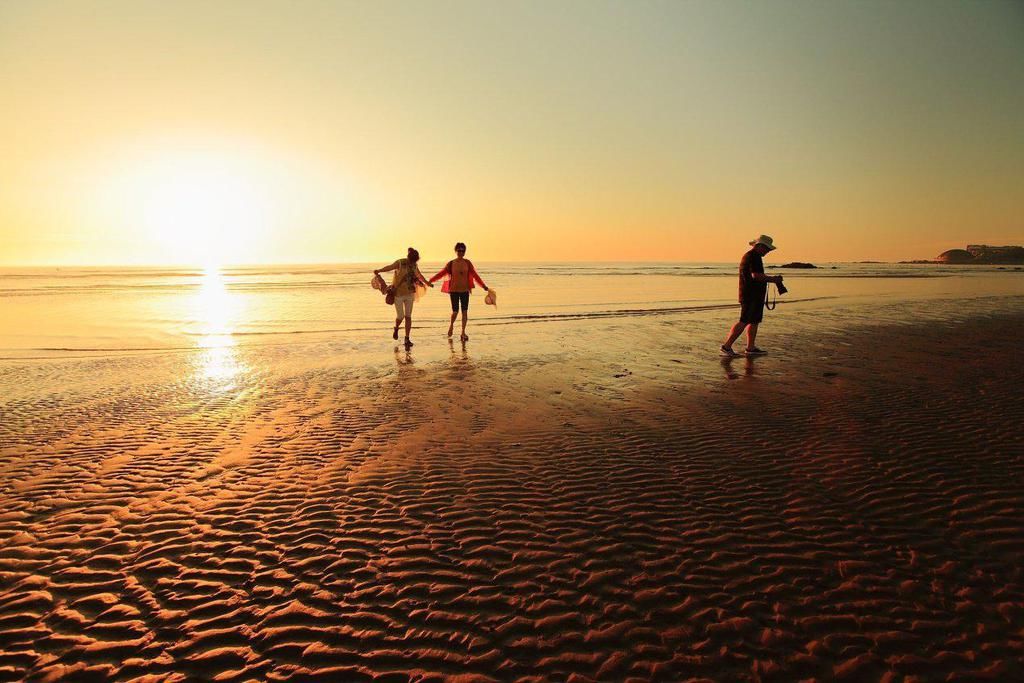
x: 398, y: 321
x: 464, y: 318
x: 751, y: 336
x: 734, y: 334
x: 408, y: 327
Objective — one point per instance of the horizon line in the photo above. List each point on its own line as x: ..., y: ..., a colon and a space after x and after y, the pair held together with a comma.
x: 257, y: 264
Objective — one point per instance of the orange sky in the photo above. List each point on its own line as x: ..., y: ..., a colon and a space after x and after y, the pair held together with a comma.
x: 144, y: 132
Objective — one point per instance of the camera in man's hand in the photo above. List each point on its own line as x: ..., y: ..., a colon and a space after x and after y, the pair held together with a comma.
x: 781, y: 287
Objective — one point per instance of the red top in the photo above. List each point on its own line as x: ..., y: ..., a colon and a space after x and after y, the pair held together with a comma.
x: 446, y: 273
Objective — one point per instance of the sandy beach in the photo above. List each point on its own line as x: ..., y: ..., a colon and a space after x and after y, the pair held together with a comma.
x: 611, y: 503
x: 237, y: 442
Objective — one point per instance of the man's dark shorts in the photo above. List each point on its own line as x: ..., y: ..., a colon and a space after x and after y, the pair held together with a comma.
x: 752, y: 310
x: 459, y: 299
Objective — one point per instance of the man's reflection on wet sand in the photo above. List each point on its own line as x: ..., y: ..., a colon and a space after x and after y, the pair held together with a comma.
x: 732, y: 371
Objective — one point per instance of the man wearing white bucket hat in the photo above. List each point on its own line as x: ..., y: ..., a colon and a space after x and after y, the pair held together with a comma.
x: 753, y: 287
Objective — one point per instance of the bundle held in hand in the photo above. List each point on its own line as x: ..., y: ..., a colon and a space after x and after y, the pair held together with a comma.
x: 384, y: 288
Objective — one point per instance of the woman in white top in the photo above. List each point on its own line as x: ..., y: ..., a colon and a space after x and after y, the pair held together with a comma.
x: 405, y: 282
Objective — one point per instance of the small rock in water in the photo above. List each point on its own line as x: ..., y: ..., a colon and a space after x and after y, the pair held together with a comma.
x: 830, y: 374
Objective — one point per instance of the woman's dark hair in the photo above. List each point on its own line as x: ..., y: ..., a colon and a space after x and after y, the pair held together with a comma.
x: 414, y: 255
x: 460, y: 246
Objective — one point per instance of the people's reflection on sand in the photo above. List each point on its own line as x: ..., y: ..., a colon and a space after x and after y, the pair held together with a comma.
x: 403, y: 356
x: 460, y: 364
x: 732, y: 372
x: 461, y: 353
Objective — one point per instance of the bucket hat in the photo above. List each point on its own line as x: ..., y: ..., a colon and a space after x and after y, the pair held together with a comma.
x: 765, y: 240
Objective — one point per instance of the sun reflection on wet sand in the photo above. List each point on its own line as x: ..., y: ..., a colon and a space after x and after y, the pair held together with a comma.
x: 215, y: 312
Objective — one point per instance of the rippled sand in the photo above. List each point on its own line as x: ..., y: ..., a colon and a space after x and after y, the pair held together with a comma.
x: 849, y: 507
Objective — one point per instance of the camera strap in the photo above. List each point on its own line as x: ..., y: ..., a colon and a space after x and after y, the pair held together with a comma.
x: 770, y: 306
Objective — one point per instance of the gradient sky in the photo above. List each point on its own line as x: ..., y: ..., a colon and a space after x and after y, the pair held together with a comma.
x: 180, y: 132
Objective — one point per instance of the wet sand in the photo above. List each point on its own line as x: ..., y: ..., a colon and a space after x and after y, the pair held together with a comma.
x: 850, y: 507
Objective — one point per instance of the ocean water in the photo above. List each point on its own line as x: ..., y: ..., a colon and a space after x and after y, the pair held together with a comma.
x: 60, y: 312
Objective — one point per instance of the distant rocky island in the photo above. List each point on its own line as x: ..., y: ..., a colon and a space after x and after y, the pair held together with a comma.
x: 980, y: 254
x: 798, y: 264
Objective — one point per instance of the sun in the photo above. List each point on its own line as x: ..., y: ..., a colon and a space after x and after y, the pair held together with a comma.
x: 200, y: 203
x: 207, y: 209
x: 209, y: 201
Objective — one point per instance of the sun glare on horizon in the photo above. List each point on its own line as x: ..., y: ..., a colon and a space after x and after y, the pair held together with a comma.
x: 206, y: 206
x: 209, y: 207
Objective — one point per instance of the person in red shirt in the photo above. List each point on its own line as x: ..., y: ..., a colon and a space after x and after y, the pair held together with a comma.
x: 460, y: 278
